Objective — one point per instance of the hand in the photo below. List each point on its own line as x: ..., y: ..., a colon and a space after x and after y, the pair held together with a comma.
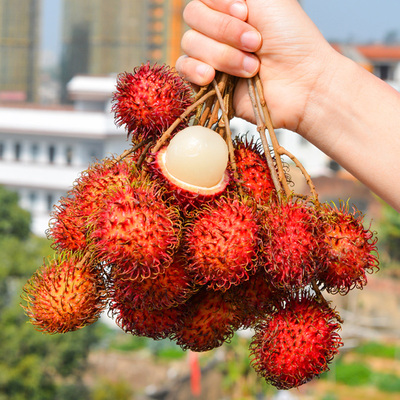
x: 290, y: 53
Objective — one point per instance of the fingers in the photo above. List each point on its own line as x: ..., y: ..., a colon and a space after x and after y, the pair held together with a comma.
x: 221, y: 27
x: 236, y: 8
x: 195, y: 71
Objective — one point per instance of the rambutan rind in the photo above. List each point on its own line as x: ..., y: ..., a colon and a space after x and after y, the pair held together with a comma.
x: 223, y: 243
x: 351, y: 251
x: 295, y: 343
x: 64, y: 295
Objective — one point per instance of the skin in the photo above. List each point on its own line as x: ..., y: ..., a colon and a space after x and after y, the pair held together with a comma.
x: 311, y: 89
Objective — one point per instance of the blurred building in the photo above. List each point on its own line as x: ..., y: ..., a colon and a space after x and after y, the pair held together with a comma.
x: 19, y: 49
x: 111, y: 36
x: 43, y: 150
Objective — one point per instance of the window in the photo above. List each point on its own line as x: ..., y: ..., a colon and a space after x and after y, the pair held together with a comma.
x: 69, y: 155
x: 1, y: 150
x: 50, y: 202
x: 17, y: 151
x: 52, y: 154
x: 34, y: 151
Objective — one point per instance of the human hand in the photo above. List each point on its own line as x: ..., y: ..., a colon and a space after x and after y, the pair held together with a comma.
x: 273, y: 37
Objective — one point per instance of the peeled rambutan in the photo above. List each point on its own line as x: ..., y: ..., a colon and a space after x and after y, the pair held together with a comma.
x: 295, y: 343
x: 252, y: 167
x: 150, y: 99
x: 64, y: 295
x: 292, y: 250
x: 212, y: 319
x: 222, y: 243
x: 137, y: 229
x: 171, y: 287
x: 69, y: 222
x: 193, y: 167
x: 351, y: 249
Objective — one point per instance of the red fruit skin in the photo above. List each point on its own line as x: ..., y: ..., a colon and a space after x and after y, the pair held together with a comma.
x: 167, y: 289
x: 222, y: 244
x: 153, y: 323
x: 66, y: 294
x: 292, y: 250
x: 69, y: 222
x: 252, y: 168
x: 212, y: 319
x: 138, y: 230
x: 150, y: 99
x: 351, y: 250
x: 188, y: 197
x: 296, y: 343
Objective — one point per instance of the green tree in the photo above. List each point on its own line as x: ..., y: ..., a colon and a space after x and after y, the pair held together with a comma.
x: 389, y: 233
x: 33, y: 365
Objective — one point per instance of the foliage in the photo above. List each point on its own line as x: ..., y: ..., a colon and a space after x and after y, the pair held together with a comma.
x: 108, y: 390
x: 377, y: 350
x: 389, y: 233
x: 353, y: 374
x: 33, y: 365
x: 14, y: 221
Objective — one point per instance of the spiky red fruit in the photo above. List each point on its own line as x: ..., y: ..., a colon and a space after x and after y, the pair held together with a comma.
x: 212, y: 320
x: 187, y: 195
x: 69, y: 222
x: 254, y: 298
x: 150, y: 99
x: 296, y: 343
x: 222, y: 243
x: 137, y: 229
x: 153, y: 323
x: 351, y: 250
x: 253, y: 171
x: 64, y: 295
x: 170, y: 288
x: 292, y: 248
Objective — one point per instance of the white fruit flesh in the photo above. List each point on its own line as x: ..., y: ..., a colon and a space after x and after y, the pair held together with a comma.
x: 197, y: 156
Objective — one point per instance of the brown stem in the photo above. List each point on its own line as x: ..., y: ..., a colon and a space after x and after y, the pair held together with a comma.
x: 283, y: 151
x: 261, y: 130
x: 323, y: 301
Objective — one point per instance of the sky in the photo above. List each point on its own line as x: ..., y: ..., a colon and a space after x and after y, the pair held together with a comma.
x: 339, y: 20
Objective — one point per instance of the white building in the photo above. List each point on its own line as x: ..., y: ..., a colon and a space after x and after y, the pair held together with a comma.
x: 43, y: 151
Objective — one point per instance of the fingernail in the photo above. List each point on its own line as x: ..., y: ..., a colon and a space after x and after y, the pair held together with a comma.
x: 251, y: 40
x: 203, y: 70
x: 239, y: 10
x: 250, y: 64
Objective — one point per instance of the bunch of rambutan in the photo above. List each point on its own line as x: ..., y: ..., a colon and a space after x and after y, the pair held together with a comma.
x: 191, y: 235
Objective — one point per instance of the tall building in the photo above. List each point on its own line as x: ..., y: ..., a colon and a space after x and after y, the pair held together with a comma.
x: 19, y: 44
x: 110, y: 36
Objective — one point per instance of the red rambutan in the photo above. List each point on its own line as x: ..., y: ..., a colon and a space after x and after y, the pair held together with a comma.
x: 295, y: 343
x: 222, y: 243
x: 137, y: 229
x: 64, y: 295
x: 69, y: 222
x: 169, y: 288
x: 212, y: 319
x: 291, y: 244
x: 150, y: 99
x: 351, y: 250
x: 253, y: 171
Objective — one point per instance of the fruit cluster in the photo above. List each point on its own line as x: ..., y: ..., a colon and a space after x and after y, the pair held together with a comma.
x: 175, y: 252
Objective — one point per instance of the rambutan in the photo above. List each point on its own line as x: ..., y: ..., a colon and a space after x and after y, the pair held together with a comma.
x: 292, y: 250
x: 69, y: 222
x: 295, y: 343
x: 212, y: 319
x: 136, y: 229
x: 150, y: 99
x: 252, y: 167
x: 153, y: 323
x: 64, y: 295
x: 222, y: 243
x: 351, y: 249
x: 193, y: 167
x: 169, y: 288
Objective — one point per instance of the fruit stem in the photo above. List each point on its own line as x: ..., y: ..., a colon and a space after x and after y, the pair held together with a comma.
x: 228, y: 133
x: 323, y: 301
x: 261, y: 130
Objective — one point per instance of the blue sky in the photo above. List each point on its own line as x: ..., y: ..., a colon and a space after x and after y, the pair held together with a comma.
x: 342, y: 20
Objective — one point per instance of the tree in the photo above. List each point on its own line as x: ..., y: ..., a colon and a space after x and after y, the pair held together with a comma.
x: 33, y: 365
